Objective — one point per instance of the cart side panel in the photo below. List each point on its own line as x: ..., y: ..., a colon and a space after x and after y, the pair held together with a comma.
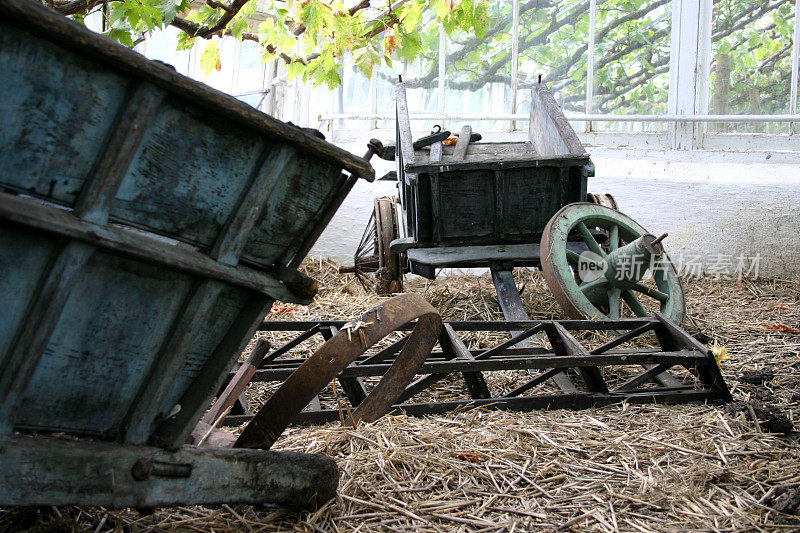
x: 116, y: 318
x: 530, y: 197
x: 25, y: 259
x: 188, y: 174
x: 467, y: 204
x: 58, y: 110
x: 292, y: 206
x: 226, y: 308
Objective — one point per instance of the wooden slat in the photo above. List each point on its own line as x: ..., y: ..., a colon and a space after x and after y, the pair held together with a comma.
x: 174, y: 431
x: 460, y: 152
x: 125, y: 242
x: 544, y: 362
x: 34, y: 333
x: 512, y: 307
x: 476, y: 383
x: 50, y: 471
x: 194, y: 314
x: 549, y: 131
x: 643, y: 377
x: 591, y: 376
x: 100, y: 188
x: 267, y: 174
x: 404, y: 125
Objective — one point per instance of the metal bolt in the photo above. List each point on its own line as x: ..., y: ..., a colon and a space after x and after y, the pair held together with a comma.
x: 142, y: 469
x: 659, y: 239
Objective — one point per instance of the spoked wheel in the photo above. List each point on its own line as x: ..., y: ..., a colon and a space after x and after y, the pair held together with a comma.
x: 633, y: 270
x: 604, y: 199
x: 373, y: 254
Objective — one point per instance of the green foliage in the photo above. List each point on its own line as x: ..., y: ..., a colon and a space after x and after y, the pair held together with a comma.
x: 631, y: 54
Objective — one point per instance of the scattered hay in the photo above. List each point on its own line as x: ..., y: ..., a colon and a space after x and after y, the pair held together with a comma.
x: 618, y: 468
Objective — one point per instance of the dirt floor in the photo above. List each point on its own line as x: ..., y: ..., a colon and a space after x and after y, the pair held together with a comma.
x: 618, y: 468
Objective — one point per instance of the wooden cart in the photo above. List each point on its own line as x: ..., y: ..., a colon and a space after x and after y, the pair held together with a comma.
x: 147, y: 223
x: 508, y: 204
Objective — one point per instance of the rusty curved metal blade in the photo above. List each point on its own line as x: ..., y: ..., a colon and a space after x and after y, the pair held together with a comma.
x: 337, y: 353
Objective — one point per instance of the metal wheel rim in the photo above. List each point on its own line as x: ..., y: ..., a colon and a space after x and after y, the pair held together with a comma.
x: 559, y: 277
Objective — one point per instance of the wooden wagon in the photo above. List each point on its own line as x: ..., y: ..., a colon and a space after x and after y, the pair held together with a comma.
x: 507, y: 204
x: 147, y: 223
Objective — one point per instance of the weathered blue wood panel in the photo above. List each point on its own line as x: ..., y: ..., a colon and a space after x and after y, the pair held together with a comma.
x: 57, y: 111
x: 188, y: 174
x: 109, y: 333
x: 291, y: 210
x: 23, y: 261
x: 223, y: 315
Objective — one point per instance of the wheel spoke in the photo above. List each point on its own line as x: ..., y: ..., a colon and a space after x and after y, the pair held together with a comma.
x: 652, y: 293
x: 634, y: 304
x: 591, y: 286
x: 613, y: 238
x: 589, y: 239
x: 573, y: 257
x: 613, y: 302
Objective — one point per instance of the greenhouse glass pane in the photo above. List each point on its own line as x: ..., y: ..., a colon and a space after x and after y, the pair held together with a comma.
x: 632, y: 61
x: 478, y: 70
x: 553, y: 43
x: 751, y: 58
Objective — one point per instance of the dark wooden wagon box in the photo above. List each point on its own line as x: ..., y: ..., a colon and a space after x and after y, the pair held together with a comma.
x: 475, y: 203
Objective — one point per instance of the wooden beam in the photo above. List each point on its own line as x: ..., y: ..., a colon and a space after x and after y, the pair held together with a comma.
x: 163, y: 252
x: 50, y: 471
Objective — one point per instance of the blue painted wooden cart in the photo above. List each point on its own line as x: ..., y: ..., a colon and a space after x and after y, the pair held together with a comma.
x: 147, y: 223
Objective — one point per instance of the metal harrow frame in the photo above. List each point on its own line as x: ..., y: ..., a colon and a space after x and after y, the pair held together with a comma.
x: 565, y: 359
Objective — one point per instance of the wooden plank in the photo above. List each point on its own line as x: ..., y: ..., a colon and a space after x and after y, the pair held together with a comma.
x: 97, y: 194
x: 460, y: 152
x: 499, y: 207
x: 52, y: 26
x: 643, y: 377
x: 49, y: 471
x: 33, y: 334
x: 234, y: 391
x: 328, y: 212
x: 403, y: 125
x: 149, y: 248
x: 435, y: 193
x: 267, y: 174
x: 544, y: 362
x: 141, y: 418
x: 476, y: 383
x: 548, y: 130
x: 574, y: 401
x: 444, y: 256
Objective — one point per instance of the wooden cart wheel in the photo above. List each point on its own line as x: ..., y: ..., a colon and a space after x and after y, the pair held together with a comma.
x: 634, y: 270
x: 604, y: 199
x: 373, y: 253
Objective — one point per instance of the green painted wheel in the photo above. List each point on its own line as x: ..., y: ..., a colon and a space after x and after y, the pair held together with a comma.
x: 631, y: 270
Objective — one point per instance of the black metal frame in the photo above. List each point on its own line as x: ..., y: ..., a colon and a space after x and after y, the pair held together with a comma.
x: 676, y: 349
